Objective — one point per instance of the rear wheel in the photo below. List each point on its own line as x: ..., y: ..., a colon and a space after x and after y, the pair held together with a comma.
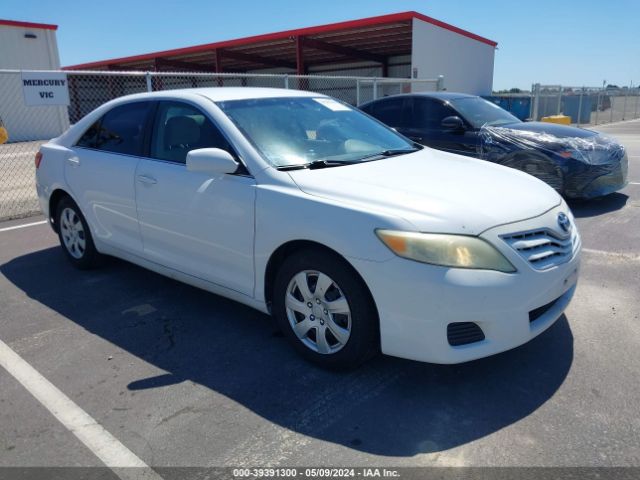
x: 540, y: 167
x: 325, y: 310
x: 75, y: 237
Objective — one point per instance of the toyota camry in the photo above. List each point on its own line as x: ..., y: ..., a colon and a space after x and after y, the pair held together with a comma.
x: 356, y: 239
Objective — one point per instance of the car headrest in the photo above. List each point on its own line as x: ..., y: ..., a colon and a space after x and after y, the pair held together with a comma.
x: 329, y: 131
x: 181, y: 130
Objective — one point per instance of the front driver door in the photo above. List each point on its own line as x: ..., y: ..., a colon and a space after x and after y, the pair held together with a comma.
x: 193, y: 222
x: 426, y: 116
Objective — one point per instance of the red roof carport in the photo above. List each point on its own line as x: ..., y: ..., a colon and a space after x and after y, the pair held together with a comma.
x: 373, y: 39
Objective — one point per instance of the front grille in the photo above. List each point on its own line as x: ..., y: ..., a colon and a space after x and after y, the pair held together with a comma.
x: 536, y: 313
x: 463, y: 333
x: 541, y: 248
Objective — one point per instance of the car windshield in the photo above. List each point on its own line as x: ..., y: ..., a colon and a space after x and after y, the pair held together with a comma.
x: 478, y: 112
x: 301, y: 130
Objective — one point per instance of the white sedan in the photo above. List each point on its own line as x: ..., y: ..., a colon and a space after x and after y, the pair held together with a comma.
x: 356, y: 239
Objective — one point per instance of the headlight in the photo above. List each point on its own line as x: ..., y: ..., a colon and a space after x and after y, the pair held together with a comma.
x: 460, y: 251
x: 597, y: 150
x: 591, y: 157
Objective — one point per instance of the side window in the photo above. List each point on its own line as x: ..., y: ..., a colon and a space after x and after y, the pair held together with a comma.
x: 430, y: 113
x: 179, y: 128
x: 88, y: 140
x: 122, y: 129
x: 389, y: 112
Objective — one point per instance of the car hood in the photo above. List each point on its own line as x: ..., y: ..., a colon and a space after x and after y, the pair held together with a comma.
x: 559, y: 131
x: 433, y: 190
x: 498, y: 143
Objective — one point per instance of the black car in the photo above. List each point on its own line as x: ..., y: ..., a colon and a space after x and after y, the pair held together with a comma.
x: 578, y: 163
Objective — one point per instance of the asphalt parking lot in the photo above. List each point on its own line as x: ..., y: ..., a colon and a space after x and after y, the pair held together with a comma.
x: 181, y: 377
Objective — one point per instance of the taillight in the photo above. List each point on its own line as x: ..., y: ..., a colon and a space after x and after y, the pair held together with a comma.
x: 38, y: 159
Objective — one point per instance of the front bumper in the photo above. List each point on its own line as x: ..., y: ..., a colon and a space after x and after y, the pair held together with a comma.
x: 416, y: 302
x: 598, y: 180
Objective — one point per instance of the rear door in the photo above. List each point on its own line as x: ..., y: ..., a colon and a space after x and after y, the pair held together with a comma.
x: 196, y: 223
x: 100, y: 173
x: 425, y: 127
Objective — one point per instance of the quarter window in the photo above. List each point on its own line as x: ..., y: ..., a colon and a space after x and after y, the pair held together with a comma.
x: 88, y: 140
x: 180, y: 128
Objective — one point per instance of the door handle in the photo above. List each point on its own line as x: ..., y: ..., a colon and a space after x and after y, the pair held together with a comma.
x: 73, y: 161
x: 147, y: 179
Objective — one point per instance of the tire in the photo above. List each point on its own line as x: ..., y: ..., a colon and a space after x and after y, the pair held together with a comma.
x: 539, y: 166
x: 75, y: 236
x: 338, y: 326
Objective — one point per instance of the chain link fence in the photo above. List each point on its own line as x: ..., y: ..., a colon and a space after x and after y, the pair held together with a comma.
x: 24, y: 128
x: 584, y: 106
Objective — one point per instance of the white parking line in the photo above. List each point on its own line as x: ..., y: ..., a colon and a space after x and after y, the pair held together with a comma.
x: 623, y: 256
x: 124, y: 463
x: 25, y: 225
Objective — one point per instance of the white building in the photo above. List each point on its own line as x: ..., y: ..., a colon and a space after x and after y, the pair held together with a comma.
x: 464, y: 59
x: 28, y: 46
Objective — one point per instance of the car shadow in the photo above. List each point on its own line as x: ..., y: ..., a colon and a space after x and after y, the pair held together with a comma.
x: 598, y: 206
x: 388, y: 407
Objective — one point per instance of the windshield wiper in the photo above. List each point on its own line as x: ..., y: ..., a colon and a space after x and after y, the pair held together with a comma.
x: 317, y: 164
x: 390, y: 153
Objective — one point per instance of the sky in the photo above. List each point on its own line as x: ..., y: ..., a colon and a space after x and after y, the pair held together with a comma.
x: 575, y: 43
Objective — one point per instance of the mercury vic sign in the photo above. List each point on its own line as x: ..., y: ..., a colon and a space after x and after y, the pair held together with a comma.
x: 45, y: 88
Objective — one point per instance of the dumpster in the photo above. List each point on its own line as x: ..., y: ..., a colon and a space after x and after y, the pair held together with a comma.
x: 502, y: 102
x: 561, y: 119
x: 517, y: 106
x: 520, y: 107
x: 571, y: 106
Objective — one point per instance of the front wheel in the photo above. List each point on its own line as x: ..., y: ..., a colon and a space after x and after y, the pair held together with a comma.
x: 325, y: 310
x: 75, y: 237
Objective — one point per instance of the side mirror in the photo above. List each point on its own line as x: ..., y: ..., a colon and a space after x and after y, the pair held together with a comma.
x: 453, y: 123
x: 214, y: 161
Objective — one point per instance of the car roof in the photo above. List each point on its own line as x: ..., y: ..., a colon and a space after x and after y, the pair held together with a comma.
x: 218, y: 94
x: 445, y: 96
